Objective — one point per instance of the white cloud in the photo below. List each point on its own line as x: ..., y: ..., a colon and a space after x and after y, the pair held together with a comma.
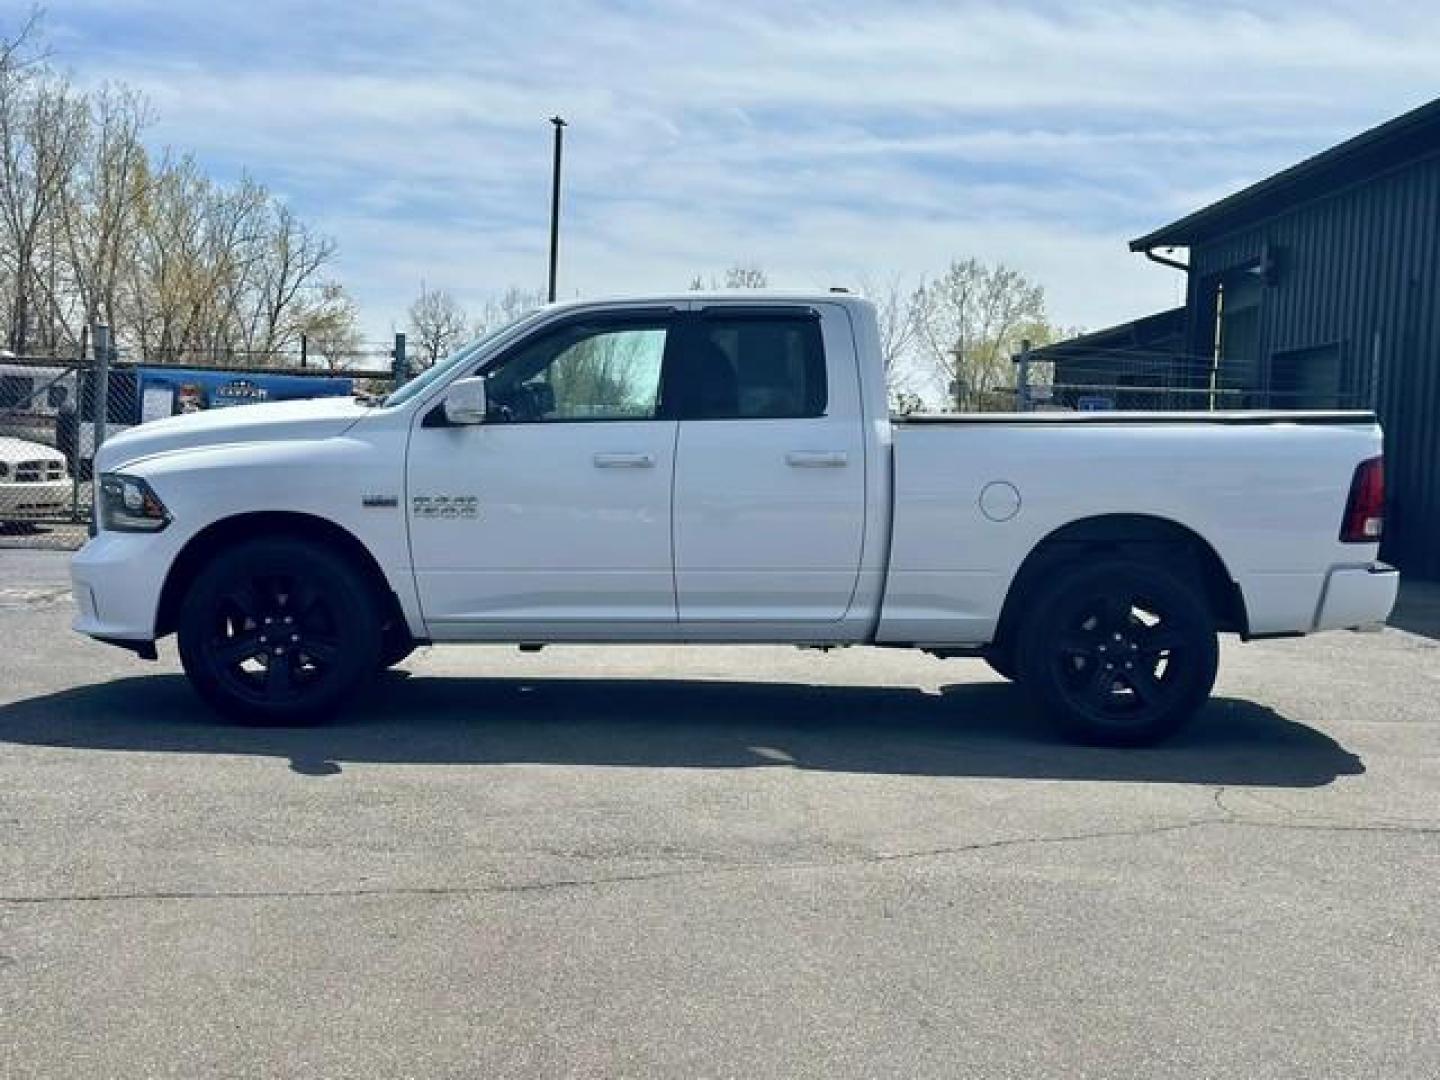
x: 815, y: 139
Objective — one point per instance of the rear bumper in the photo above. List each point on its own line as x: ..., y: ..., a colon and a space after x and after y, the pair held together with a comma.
x: 1357, y: 597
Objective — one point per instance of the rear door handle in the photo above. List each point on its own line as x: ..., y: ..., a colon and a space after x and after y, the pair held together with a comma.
x: 804, y: 459
x: 624, y: 461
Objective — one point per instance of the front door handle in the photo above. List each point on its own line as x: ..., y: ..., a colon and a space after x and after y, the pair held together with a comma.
x: 624, y: 461
x: 804, y: 459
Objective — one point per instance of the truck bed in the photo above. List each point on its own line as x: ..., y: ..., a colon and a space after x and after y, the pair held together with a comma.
x: 1230, y: 418
x: 974, y: 493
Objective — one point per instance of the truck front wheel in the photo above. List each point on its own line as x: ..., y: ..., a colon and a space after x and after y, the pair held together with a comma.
x: 1118, y: 653
x: 1002, y: 662
x: 278, y: 630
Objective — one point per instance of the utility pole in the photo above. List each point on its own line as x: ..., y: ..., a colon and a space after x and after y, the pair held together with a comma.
x: 957, y: 387
x: 399, y: 365
x: 555, y: 204
x: 1022, y: 377
x: 100, y: 337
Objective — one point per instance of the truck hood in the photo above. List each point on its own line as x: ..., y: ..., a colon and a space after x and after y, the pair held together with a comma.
x: 316, y: 418
x: 14, y: 451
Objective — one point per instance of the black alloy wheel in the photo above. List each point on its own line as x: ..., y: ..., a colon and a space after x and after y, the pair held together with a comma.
x: 278, y: 631
x: 1119, y: 653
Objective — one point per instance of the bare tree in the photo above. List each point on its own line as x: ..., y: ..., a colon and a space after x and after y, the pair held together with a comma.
x: 161, y: 283
x: 330, y: 325
x: 746, y: 276
x: 736, y: 276
x: 437, y: 324
x: 192, y: 284
x: 21, y: 50
x: 219, y: 272
x: 229, y: 308
x: 895, y: 320
x: 42, y: 128
x: 92, y: 228
x: 99, y: 215
x: 969, y: 323
x: 506, y: 308
x: 294, y: 256
x: 894, y: 316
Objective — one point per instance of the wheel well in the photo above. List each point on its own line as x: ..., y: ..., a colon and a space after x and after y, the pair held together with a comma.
x: 233, y: 530
x: 1180, y: 550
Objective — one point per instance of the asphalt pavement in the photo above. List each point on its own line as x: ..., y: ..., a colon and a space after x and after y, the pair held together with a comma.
x: 714, y: 862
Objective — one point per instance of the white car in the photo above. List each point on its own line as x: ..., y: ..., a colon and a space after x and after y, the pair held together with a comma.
x: 698, y: 468
x: 34, y: 481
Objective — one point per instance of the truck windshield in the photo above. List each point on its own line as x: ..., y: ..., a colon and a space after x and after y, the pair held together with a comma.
x: 455, y: 360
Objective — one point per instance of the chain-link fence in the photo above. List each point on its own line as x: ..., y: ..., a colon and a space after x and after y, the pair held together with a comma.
x: 55, y: 411
x: 1075, y: 379
x: 42, y: 500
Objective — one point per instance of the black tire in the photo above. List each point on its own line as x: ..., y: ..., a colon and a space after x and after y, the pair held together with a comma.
x: 279, y: 631
x: 1002, y: 662
x: 396, y: 645
x: 1118, y: 653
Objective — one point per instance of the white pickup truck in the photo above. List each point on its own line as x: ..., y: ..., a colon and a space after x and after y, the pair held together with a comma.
x: 700, y: 468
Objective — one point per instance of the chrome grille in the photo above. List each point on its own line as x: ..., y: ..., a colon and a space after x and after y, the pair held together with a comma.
x: 34, y: 472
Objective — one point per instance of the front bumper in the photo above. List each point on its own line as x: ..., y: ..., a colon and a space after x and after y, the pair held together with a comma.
x: 25, y: 502
x: 117, y: 579
x: 1357, y: 597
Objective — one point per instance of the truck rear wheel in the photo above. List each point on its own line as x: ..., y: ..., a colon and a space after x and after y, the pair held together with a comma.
x: 1118, y: 653
x: 277, y: 631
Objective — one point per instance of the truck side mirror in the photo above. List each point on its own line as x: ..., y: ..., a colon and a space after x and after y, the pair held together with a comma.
x: 465, y: 402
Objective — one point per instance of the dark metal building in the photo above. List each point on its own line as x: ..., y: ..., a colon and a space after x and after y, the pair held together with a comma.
x: 1320, y: 287
x: 1140, y: 364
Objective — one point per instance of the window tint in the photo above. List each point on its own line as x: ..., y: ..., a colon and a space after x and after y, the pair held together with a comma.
x: 16, y: 391
x: 582, y: 372
x: 756, y: 367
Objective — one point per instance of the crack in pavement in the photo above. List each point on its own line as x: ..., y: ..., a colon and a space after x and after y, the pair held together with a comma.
x: 612, y: 879
x: 737, y: 868
x: 33, y: 599
x: 1232, y: 817
x: 1226, y: 818
x: 1323, y: 826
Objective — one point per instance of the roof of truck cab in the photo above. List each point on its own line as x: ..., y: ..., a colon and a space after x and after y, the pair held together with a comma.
x: 708, y: 296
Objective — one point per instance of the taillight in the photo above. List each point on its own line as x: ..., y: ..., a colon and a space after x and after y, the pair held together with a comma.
x: 1365, y: 511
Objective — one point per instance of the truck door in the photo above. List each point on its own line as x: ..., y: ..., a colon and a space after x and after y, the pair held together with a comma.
x: 555, y: 513
x: 769, y: 469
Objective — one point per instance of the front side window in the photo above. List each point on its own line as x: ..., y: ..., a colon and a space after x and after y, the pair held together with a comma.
x: 756, y: 367
x: 582, y: 372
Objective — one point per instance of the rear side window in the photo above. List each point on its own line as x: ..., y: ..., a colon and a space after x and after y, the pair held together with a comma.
x: 755, y: 367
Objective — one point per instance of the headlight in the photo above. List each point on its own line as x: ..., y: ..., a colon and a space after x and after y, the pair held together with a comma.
x: 127, y: 504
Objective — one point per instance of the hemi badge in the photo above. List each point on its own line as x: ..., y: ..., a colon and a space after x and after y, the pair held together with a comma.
x: 380, y: 502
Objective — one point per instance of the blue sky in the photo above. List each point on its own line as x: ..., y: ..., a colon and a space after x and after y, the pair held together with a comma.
x: 821, y: 141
